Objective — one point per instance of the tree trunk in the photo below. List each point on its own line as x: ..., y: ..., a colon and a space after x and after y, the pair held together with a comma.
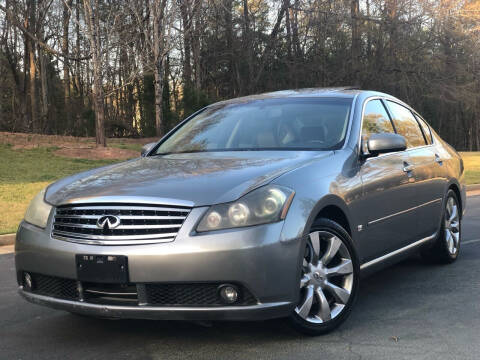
x: 356, y: 45
x: 44, y: 88
x: 247, y: 44
x: 159, y: 60
x: 78, y: 69
x: 159, y: 126
x: 95, y: 47
x: 187, y: 43
x: 30, y: 60
x: 67, y: 5
x: 196, y: 47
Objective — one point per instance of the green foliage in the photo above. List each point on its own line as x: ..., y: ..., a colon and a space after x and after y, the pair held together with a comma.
x: 194, y: 100
x: 147, y: 99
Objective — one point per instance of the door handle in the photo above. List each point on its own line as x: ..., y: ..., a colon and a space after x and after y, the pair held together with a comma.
x: 407, y: 167
x: 438, y: 159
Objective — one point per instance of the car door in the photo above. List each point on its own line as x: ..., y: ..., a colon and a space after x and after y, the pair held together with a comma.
x: 429, y: 184
x: 388, y: 190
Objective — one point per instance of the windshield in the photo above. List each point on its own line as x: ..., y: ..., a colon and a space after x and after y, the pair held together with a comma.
x: 273, y: 124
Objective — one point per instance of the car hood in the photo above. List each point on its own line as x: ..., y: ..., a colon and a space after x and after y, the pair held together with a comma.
x: 192, y: 179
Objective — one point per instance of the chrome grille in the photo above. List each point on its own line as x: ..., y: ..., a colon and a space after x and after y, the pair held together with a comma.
x: 139, y: 224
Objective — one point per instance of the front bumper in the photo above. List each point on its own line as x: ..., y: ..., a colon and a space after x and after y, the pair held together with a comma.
x: 253, y: 257
x: 252, y: 312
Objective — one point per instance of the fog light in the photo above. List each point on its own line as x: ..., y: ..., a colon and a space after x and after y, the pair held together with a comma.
x: 229, y: 293
x: 27, y: 281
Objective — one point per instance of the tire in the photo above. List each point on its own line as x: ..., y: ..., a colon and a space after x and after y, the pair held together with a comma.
x: 446, y: 248
x: 329, y: 281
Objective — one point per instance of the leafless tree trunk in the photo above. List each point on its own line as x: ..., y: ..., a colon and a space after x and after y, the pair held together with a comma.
x: 356, y: 44
x: 248, y: 47
x: 30, y: 55
x: 44, y: 89
x: 187, y: 41
x: 159, y: 60
x: 67, y: 5
x: 93, y: 27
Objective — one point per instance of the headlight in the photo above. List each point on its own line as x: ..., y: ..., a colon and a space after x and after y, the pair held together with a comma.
x: 38, y: 211
x: 264, y: 205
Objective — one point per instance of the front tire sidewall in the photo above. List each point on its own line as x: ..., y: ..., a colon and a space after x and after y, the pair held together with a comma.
x: 318, y: 329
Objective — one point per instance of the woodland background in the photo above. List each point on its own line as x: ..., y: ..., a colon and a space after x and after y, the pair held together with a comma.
x: 135, y: 68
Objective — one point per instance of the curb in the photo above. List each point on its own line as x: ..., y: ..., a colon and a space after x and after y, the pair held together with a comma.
x: 474, y: 187
x: 8, y: 239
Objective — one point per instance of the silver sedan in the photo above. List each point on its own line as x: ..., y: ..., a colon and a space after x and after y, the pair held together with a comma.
x: 253, y: 208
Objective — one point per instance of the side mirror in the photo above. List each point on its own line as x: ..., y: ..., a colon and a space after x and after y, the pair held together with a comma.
x: 384, y: 143
x: 146, y: 148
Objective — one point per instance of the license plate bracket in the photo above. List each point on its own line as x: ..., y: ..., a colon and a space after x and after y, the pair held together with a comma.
x: 102, y: 268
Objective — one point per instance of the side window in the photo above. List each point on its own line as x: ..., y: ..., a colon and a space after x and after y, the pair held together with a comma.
x: 375, y: 119
x: 406, y: 125
x: 426, y: 129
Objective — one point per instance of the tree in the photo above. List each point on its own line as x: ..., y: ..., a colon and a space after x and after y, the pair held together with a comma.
x: 135, y: 67
x: 159, y: 53
x: 93, y: 33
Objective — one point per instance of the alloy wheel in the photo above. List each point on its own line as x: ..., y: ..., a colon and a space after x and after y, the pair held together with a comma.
x: 452, y: 225
x: 327, y: 278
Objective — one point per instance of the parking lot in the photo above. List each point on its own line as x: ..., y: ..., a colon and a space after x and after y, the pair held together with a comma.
x: 411, y: 310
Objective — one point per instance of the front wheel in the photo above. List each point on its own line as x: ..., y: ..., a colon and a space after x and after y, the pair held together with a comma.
x: 329, y: 279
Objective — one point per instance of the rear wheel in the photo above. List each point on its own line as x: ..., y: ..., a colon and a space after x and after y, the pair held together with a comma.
x: 329, y: 279
x: 447, y: 245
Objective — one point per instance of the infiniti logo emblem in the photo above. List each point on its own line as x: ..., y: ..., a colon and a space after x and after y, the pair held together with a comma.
x: 108, y: 222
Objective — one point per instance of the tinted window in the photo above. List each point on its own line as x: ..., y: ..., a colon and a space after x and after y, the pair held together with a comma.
x: 375, y: 119
x: 275, y: 124
x: 426, y: 130
x: 406, y: 125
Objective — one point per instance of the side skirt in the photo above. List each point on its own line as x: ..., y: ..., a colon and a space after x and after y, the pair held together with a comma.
x: 397, y: 252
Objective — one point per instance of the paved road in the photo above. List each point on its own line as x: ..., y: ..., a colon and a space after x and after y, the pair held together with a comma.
x: 409, y: 311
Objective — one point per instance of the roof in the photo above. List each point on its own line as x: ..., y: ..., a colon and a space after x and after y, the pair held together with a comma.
x: 343, y: 92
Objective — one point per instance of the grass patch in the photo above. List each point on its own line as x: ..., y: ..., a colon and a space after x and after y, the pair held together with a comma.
x: 126, y: 146
x: 23, y: 173
x: 471, y: 160
x: 39, y: 164
x: 14, y: 200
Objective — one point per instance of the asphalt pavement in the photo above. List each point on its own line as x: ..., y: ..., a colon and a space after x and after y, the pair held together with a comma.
x: 408, y: 311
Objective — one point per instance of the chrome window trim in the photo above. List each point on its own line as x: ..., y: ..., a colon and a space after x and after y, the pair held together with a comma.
x: 411, y: 113
x: 397, y: 252
x: 359, y: 135
x: 399, y: 102
x: 417, y: 115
